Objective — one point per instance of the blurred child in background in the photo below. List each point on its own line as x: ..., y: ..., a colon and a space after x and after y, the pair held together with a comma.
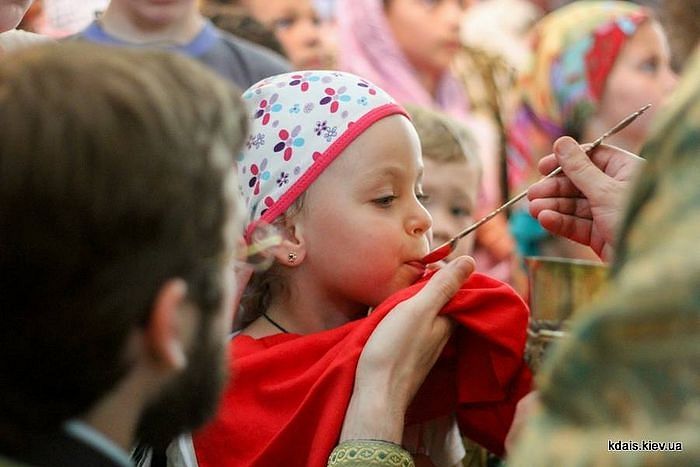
x: 593, y: 63
x: 450, y: 194
x: 452, y: 175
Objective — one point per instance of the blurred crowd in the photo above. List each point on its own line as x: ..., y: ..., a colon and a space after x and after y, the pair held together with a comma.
x: 491, y: 87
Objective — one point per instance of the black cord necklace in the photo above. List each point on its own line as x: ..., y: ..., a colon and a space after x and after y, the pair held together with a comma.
x: 264, y: 315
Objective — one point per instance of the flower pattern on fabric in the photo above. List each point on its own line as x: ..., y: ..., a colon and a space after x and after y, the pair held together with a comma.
x: 335, y: 97
x: 321, y: 127
x: 256, y: 141
x: 268, y: 201
x: 258, y: 174
x: 289, y: 141
x: 304, y: 80
x: 323, y: 130
x: 294, y: 119
x: 365, y: 84
x: 283, y: 179
x: 266, y: 108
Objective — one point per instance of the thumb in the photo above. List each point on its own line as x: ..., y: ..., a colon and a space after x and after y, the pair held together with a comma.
x: 576, y: 164
x: 443, y: 285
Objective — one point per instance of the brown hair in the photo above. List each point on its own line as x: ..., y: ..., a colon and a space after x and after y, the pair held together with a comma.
x: 237, y: 20
x: 113, y: 169
x: 682, y: 24
x: 443, y: 139
x: 271, y: 284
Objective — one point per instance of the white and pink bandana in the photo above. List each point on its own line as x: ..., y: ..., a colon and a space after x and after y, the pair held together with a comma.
x: 299, y: 123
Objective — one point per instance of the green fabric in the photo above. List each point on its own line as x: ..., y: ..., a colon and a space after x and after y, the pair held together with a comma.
x: 366, y: 452
x: 4, y: 462
x: 631, y: 369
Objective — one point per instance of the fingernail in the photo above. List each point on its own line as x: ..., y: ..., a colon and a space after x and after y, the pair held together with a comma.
x: 566, y: 145
x: 464, y: 264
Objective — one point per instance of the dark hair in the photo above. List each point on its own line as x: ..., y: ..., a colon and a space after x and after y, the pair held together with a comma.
x: 113, y: 164
x: 239, y: 22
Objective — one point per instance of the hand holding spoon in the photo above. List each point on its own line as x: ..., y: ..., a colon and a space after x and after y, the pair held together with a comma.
x: 448, y: 247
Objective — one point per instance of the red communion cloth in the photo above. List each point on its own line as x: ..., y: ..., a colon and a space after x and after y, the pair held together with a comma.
x: 288, y: 395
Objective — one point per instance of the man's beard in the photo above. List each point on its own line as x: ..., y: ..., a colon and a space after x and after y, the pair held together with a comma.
x: 191, y: 398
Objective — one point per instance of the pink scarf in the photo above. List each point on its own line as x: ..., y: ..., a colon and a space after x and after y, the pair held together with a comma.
x: 367, y: 47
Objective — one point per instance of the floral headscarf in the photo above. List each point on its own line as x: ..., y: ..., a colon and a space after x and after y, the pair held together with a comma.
x: 574, y: 50
x: 299, y: 123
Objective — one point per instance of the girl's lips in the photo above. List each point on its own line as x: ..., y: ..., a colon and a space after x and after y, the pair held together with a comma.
x: 452, y: 45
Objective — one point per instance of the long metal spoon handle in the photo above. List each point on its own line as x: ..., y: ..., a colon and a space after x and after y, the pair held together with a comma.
x: 447, y: 247
x: 620, y: 126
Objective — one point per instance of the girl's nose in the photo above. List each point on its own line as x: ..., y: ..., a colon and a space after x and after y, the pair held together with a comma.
x: 670, y: 80
x: 451, y: 15
x: 441, y: 230
x: 419, y: 222
x: 310, y: 33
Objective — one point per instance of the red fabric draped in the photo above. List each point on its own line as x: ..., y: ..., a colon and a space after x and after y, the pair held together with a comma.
x: 289, y: 393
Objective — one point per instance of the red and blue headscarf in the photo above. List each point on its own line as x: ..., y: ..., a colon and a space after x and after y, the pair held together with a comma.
x: 574, y: 51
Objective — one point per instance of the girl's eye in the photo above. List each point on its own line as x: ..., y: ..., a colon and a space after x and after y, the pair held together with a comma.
x: 459, y: 211
x: 650, y: 66
x: 423, y: 199
x: 283, y: 23
x: 384, y: 201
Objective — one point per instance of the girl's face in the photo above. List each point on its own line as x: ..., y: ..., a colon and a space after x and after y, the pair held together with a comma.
x: 641, y: 75
x: 427, y: 30
x: 362, y: 223
x: 11, y: 13
x: 298, y: 29
x: 158, y: 13
x: 450, y: 197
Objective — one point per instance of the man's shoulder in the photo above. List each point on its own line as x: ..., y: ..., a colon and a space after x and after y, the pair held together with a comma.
x: 255, y: 60
x: 56, y: 449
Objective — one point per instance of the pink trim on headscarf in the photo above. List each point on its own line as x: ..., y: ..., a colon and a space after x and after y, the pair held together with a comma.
x: 367, y: 47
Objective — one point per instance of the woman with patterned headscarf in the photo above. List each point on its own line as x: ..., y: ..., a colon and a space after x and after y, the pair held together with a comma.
x: 593, y: 63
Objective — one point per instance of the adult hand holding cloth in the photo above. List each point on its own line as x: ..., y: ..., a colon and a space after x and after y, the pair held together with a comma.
x: 289, y: 393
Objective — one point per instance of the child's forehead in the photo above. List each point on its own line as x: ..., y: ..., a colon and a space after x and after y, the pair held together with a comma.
x: 459, y: 175
x: 378, y: 156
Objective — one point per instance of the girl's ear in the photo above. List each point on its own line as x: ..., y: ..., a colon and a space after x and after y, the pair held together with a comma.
x: 292, y: 251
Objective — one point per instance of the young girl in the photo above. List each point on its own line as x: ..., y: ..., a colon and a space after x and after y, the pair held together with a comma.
x: 593, y: 63
x: 410, y: 48
x: 335, y: 164
x: 297, y: 26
